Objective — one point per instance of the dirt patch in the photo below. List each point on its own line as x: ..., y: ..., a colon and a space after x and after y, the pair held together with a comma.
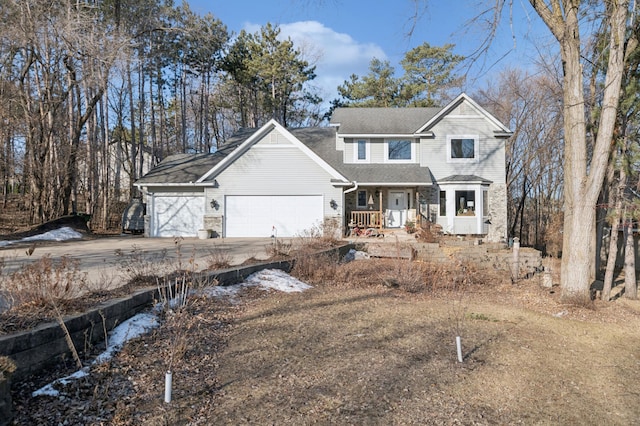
x: 367, y: 354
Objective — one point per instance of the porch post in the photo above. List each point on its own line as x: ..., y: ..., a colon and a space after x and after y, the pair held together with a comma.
x: 478, y: 211
x: 451, y: 209
x: 381, y: 224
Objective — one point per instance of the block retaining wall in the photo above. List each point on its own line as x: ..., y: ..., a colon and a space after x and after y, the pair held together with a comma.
x: 45, y: 345
x: 35, y: 349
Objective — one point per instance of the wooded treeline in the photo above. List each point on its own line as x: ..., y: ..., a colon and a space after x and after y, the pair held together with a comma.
x: 95, y: 92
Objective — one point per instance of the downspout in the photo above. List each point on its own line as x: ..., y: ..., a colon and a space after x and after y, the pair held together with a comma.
x: 352, y: 189
x: 355, y: 187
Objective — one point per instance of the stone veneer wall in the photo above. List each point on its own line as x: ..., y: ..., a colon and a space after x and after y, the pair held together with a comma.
x: 498, y: 211
x: 214, y: 223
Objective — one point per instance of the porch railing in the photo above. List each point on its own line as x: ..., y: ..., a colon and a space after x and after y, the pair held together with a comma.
x: 367, y: 219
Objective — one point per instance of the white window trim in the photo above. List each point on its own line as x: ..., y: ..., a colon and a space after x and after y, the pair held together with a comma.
x: 367, y: 151
x: 413, y: 151
x: 366, y: 198
x: 476, y: 149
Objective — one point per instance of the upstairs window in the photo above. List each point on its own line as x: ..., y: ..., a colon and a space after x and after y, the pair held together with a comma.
x: 399, y: 151
x: 361, y: 151
x: 462, y: 149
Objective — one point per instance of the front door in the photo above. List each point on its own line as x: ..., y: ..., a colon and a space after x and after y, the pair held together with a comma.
x: 397, y: 209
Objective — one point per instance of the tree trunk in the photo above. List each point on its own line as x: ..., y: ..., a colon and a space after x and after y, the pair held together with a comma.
x: 132, y: 117
x: 613, y: 243
x: 611, y: 258
x: 630, y: 284
x: 582, y: 188
x: 141, y: 126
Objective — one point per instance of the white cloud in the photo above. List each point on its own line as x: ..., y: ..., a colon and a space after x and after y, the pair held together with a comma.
x: 336, y: 55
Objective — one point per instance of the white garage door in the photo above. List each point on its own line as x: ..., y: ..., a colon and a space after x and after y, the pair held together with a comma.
x: 256, y: 216
x: 177, y: 216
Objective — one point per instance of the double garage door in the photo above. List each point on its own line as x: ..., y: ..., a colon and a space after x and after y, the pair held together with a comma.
x: 177, y: 216
x: 264, y: 216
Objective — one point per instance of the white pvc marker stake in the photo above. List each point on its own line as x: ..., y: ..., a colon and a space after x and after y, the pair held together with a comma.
x: 459, y: 347
x: 167, y: 386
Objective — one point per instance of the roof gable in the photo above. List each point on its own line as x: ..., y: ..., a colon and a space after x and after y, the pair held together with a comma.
x: 405, y: 121
x: 454, y: 105
x: 257, y: 137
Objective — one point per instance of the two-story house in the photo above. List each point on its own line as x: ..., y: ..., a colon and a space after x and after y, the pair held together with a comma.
x: 372, y: 167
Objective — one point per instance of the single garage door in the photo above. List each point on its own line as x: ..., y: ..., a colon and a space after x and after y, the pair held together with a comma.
x: 256, y: 215
x: 178, y: 216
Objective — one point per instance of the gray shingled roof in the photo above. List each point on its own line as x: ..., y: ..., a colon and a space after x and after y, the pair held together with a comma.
x: 322, y: 141
x: 187, y: 168
x: 464, y: 178
x: 382, y: 120
x: 180, y: 168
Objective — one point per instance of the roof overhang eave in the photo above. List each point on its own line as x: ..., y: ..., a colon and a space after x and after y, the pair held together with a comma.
x: 503, y: 135
x: 387, y: 135
x: 466, y: 182
x: 186, y: 184
x: 395, y: 184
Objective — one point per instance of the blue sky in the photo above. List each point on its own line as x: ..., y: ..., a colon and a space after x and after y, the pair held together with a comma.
x: 342, y: 36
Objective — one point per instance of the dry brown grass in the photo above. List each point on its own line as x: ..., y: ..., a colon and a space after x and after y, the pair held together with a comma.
x: 379, y: 356
x: 138, y: 265
x: 47, y: 290
x: 218, y: 258
x: 409, y: 276
x: 43, y: 281
x: 354, y: 351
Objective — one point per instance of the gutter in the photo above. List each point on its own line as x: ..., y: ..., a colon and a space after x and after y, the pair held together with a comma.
x: 189, y: 184
x: 388, y: 135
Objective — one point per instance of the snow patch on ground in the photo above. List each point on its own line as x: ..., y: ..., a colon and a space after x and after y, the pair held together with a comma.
x: 277, y: 280
x: 140, y: 324
x: 266, y: 279
x: 134, y: 327
x: 355, y: 255
x: 62, y: 234
x: 222, y: 291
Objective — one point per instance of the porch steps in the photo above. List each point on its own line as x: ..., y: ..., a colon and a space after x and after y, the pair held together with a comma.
x: 390, y: 250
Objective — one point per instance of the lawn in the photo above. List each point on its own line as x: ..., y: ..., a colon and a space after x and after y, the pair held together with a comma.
x: 360, y: 348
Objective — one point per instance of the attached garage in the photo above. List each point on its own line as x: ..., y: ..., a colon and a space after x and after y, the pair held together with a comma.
x: 176, y: 216
x: 259, y: 215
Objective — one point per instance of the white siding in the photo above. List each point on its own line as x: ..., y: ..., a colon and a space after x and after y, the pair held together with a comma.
x: 491, y: 164
x: 376, y: 151
x: 274, y: 138
x: 274, y: 169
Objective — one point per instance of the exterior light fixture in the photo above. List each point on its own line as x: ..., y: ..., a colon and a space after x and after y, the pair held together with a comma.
x: 333, y: 204
x: 214, y: 204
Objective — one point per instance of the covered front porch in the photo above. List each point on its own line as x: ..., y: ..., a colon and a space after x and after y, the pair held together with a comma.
x: 382, y: 207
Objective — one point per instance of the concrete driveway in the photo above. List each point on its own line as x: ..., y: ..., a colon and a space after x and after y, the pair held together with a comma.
x: 102, y: 258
